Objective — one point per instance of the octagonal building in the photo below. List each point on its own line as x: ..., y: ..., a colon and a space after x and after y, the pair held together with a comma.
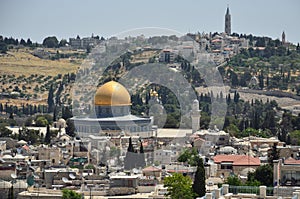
x: 113, y: 115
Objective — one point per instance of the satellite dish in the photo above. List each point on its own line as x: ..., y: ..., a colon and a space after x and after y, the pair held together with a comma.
x: 14, y: 176
x: 71, y: 175
x: 36, y: 176
x: 65, y: 180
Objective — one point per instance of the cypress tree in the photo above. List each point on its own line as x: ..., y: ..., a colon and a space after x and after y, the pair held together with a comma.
x: 141, y: 160
x: 141, y: 148
x: 50, y: 100
x: 229, y: 99
x: 274, y: 155
x: 70, y: 128
x: 199, y: 181
x: 130, y: 146
x: 54, y: 113
x: 66, y: 112
x: 11, y: 193
x: 48, y: 135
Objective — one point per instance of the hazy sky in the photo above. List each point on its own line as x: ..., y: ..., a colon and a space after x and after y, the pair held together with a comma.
x: 37, y: 19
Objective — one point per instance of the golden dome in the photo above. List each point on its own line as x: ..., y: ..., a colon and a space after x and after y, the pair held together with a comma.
x: 112, y: 94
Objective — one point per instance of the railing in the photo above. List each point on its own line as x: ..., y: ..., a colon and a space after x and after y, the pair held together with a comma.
x: 243, y: 189
x: 213, y: 195
x: 270, y: 191
x: 221, y: 191
x: 283, y: 191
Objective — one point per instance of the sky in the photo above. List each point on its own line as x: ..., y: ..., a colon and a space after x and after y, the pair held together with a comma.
x: 36, y: 19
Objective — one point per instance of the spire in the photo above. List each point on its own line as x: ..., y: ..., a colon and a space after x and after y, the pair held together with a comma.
x: 283, y: 38
x: 227, y: 12
x: 227, y: 22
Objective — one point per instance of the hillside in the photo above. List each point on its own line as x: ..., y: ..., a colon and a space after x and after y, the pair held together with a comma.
x: 26, y: 78
x: 22, y: 62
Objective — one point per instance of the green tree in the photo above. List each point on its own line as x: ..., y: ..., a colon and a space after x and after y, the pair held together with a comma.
x: 251, y: 181
x: 130, y: 146
x: 11, y: 193
x: 199, y: 181
x: 234, y: 79
x: 264, y: 174
x: 141, y: 148
x: 29, y: 42
x: 261, y: 80
x: 48, y: 135
x: 50, y: 99
x: 41, y: 121
x: 3, y: 47
x: 179, y: 186
x: 142, y: 156
x: 295, y: 137
x: 23, y: 42
x: 90, y: 166
x: 236, y: 97
x: 66, y: 112
x: 50, y: 42
x: 70, y: 194
x: 234, y: 180
x: 62, y: 43
x: 4, y: 132
x: 274, y: 154
x: 189, y: 156
x: 70, y: 128
x: 233, y: 130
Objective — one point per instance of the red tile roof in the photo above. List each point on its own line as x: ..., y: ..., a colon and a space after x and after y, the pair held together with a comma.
x: 237, y: 160
x: 291, y: 160
x: 151, y: 169
x: 179, y: 171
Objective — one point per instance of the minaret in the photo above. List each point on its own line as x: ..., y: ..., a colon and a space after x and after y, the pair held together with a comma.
x: 227, y: 22
x: 195, y: 115
x: 283, y: 38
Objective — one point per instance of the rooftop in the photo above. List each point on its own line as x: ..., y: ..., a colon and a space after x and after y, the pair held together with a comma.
x: 173, y: 133
x: 237, y: 160
x: 291, y: 160
x: 151, y: 169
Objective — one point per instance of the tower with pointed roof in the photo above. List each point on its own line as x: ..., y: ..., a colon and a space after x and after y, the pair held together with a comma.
x: 283, y: 38
x: 227, y: 22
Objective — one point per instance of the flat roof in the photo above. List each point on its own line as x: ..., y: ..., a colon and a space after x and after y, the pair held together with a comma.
x: 173, y: 133
x: 124, y: 177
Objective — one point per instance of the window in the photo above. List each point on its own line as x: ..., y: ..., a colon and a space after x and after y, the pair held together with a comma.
x: 226, y: 166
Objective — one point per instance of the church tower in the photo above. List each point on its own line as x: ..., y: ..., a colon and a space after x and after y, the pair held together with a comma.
x: 283, y: 38
x: 227, y: 22
x: 195, y: 115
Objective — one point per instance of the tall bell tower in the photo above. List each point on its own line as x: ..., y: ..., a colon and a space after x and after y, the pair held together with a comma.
x: 283, y: 38
x: 227, y: 22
